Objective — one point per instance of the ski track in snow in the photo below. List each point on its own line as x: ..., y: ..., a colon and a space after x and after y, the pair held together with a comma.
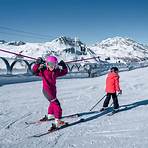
x: 127, y: 129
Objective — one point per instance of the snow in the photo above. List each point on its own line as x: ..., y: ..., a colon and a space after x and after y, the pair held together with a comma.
x: 20, y: 102
x: 117, y: 49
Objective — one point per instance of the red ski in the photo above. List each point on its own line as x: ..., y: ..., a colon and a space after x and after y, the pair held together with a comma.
x: 45, y: 119
x: 54, y: 129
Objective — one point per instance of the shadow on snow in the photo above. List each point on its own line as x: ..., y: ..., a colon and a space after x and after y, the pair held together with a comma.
x: 98, y: 114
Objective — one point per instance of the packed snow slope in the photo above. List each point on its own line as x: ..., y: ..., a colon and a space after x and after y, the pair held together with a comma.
x: 128, y: 128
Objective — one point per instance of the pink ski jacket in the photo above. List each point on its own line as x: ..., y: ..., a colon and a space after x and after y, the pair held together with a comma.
x: 49, y: 80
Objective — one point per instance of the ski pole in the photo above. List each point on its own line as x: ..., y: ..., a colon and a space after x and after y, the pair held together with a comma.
x: 97, y: 102
x: 18, y: 54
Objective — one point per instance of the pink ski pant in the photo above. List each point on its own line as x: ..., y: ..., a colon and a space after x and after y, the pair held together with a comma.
x: 55, y: 109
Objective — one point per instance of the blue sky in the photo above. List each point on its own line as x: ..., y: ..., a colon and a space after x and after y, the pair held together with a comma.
x: 89, y: 20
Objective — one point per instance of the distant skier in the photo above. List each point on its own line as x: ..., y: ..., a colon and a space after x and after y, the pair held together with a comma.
x: 49, y: 73
x: 112, y: 88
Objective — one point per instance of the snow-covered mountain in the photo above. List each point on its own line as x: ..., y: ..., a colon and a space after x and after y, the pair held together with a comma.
x: 62, y: 43
x: 63, y: 47
x: 2, y: 41
x: 120, y: 49
x: 15, y: 43
x: 117, y: 49
x: 18, y: 43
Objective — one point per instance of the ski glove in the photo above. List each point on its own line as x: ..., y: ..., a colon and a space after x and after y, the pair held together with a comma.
x: 40, y: 61
x: 120, y: 92
x: 63, y: 64
x: 42, y: 67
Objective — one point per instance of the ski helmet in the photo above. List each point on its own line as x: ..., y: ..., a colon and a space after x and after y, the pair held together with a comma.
x: 115, y: 69
x: 51, y: 59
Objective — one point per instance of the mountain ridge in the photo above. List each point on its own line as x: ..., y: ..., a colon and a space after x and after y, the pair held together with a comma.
x: 116, y: 49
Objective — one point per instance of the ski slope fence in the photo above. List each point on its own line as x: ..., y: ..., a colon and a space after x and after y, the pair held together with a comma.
x: 13, y: 66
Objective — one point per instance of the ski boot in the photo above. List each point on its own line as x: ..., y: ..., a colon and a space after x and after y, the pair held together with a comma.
x: 103, y: 109
x: 45, y: 118
x: 115, y: 110
x: 53, y: 127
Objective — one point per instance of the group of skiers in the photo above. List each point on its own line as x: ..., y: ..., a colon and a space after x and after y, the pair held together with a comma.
x: 49, y: 70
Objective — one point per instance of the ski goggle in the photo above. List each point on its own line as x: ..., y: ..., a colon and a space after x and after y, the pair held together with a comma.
x: 51, y: 64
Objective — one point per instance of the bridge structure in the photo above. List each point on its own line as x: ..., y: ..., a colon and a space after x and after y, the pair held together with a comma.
x: 11, y: 66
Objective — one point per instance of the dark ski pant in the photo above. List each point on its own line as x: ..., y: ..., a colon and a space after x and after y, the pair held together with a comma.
x: 115, y: 100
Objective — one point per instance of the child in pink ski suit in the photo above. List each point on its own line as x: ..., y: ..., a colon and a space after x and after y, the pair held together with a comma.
x: 49, y: 73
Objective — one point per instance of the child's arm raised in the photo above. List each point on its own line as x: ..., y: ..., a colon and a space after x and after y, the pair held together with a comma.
x: 63, y: 71
x: 38, y: 66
